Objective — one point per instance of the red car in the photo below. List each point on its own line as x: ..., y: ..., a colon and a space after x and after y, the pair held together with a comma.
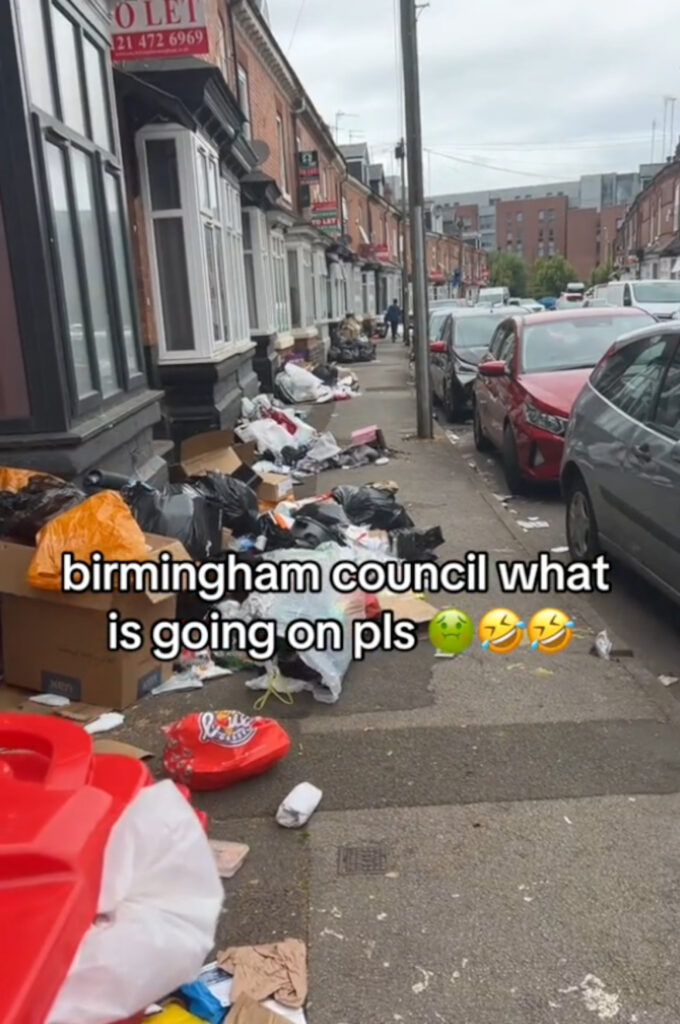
x: 529, y: 379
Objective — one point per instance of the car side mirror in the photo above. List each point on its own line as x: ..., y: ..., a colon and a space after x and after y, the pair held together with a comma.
x: 494, y: 368
x: 437, y: 346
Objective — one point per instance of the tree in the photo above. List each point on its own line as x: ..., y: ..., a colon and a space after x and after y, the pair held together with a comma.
x: 508, y: 270
x: 551, y: 276
x: 602, y: 274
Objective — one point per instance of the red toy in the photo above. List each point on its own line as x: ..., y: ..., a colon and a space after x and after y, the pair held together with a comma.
x: 212, y: 749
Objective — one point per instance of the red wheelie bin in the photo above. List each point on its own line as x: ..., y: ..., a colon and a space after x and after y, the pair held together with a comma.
x: 58, y: 804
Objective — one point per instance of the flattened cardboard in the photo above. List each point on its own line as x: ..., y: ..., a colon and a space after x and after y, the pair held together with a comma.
x: 76, y: 711
x: 104, y: 746
x: 410, y: 608
x: 56, y: 647
x: 246, y: 1011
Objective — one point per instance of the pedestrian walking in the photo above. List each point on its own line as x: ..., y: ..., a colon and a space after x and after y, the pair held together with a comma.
x: 393, y: 318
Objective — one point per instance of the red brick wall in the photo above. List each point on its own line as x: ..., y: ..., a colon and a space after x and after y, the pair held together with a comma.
x: 582, y: 241
x: 521, y: 219
x: 466, y: 213
x: 357, y: 212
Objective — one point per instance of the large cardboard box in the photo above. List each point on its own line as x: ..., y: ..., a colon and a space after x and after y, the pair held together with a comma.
x: 57, y: 643
x: 220, y: 451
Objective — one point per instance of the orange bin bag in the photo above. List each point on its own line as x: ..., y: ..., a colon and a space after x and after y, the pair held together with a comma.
x: 16, y: 479
x: 101, y: 523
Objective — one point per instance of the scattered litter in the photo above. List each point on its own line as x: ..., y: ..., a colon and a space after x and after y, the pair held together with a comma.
x: 332, y: 934
x: 453, y: 438
x: 602, y: 646
x: 568, y: 820
x: 278, y: 970
x: 543, y: 672
x: 180, y: 681
x: 420, y: 986
x: 528, y: 899
x: 247, y: 1011
x: 668, y: 680
x: 202, y: 1003
x: 392, y: 874
x: 381, y: 917
x: 504, y: 498
x: 229, y: 857
x: 106, y: 722
x: 533, y: 524
x: 382, y: 461
x: 299, y: 805
x: 563, y: 550
x: 208, y: 750
x: 52, y: 700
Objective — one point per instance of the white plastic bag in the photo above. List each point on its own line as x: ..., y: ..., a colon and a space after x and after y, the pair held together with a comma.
x: 267, y: 435
x: 298, y: 807
x: 158, y: 907
x: 303, y: 386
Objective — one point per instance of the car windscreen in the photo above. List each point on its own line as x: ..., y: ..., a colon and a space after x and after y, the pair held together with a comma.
x: 567, y: 344
x: 475, y: 331
x: 437, y: 322
x: 657, y: 291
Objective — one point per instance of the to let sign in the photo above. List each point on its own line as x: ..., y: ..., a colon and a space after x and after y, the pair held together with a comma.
x: 148, y: 29
x: 325, y: 216
x: 308, y: 166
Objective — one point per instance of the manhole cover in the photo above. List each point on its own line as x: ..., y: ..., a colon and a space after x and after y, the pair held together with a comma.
x: 362, y: 860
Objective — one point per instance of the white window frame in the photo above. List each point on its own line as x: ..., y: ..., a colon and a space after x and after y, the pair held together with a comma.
x: 279, y: 265
x: 301, y: 252
x: 262, y: 272
x: 217, y: 211
x: 244, y: 97
x: 338, y: 294
x: 320, y: 273
x: 357, y: 306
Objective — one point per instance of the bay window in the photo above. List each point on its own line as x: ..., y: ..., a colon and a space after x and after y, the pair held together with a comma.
x: 195, y: 236
x: 69, y: 85
x: 338, y: 292
x: 321, y: 286
x: 280, y: 276
x: 368, y: 292
x: 301, y: 285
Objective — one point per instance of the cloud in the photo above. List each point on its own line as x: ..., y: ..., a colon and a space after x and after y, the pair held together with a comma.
x: 541, y: 88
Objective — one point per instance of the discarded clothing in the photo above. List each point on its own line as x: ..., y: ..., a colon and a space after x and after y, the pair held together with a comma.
x: 278, y: 970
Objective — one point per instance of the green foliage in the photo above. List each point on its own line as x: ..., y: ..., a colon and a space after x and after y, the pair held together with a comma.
x: 508, y: 270
x: 551, y: 276
x: 602, y: 273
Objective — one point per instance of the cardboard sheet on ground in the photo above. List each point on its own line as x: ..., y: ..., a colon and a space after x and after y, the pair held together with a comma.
x: 405, y: 607
x: 247, y: 1011
x: 220, y: 984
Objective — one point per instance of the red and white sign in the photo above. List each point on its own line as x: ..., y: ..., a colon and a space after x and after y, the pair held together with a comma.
x: 150, y: 29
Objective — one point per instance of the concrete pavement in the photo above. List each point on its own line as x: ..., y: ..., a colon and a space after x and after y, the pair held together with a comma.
x: 497, y: 840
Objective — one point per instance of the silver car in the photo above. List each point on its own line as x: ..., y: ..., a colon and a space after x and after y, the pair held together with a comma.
x: 621, y: 464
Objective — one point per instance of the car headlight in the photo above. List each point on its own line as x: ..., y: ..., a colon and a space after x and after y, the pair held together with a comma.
x: 545, y: 420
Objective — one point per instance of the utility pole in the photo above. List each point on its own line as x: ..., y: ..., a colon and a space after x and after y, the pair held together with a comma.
x: 400, y: 154
x: 416, y: 202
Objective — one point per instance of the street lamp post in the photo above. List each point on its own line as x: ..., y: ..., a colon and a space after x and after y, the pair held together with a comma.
x: 416, y: 196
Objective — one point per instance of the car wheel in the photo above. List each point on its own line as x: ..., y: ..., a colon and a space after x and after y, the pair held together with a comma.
x: 513, y: 474
x: 582, y: 533
x: 482, y: 443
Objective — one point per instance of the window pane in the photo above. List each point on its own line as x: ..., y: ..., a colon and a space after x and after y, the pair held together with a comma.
x: 221, y: 281
x: 631, y: 377
x: 94, y: 269
x: 668, y: 407
x: 247, y: 240
x: 161, y: 156
x: 35, y: 55
x: 56, y: 173
x: 294, y: 283
x: 68, y: 71
x: 171, y: 260
x: 203, y: 181
x: 212, y: 282
x: 250, y: 288
x: 97, y: 95
x: 115, y: 212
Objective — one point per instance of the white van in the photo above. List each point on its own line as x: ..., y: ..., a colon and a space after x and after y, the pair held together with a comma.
x: 661, y: 299
x: 493, y: 297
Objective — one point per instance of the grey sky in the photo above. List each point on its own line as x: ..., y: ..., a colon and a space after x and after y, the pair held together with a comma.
x: 548, y: 89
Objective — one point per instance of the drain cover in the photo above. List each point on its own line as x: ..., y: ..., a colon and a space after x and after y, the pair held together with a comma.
x: 362, y: 860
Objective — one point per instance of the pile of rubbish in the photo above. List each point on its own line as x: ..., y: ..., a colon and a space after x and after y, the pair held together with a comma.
x: 351, y: 344
x: 296, y: 383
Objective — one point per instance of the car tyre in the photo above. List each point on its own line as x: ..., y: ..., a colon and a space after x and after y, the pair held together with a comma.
x: 482, y: 443
x: 513, y: 474
x: 581, y: 525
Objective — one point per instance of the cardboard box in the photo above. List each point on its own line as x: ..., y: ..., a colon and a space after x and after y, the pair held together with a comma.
x: 57, y: 643
x: 274, y: 487
x: 219, y: 451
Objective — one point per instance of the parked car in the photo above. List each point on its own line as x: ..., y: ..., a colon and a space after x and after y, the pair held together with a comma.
x: 531, y: 305
x: 529, y: 379
x: 458, y: 341
x: 493, y: 296
x: 621, y: 465
x: 660, y: 298
x: 595, y: 303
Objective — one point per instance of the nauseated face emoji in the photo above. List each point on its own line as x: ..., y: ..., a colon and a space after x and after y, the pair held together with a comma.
x: 500, y: 631
x: 550, y: 631
x: 452, y: 631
